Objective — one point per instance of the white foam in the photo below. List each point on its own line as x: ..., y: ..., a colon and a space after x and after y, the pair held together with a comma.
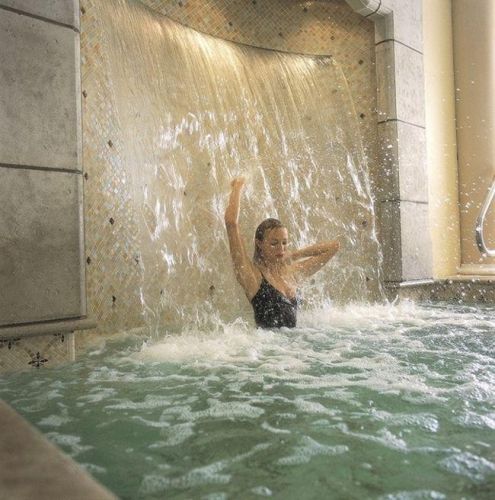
x: 68, y: 441
x: 54, y: 420
x: 179, y: 433
x: 309, y: 449
x: 209, y: 474
x: 94, y: 469
x: 469, y: 465
x: 151, y: 423
x: 150, y: 401
x: 262, y: 491
x: 275, y: 430
x: 414, y: 495
x: 384, y: 437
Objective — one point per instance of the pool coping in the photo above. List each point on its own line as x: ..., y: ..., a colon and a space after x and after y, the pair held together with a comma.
x: 32, y: 467
x: 46, y: 328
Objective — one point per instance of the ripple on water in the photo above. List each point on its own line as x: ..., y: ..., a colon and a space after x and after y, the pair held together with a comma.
x: 414, y: 495
x: 217, y: 409
x: 179, y: 433
x: 425, y: 421
x: 308, y: 449
x: 69, y: 442
x: 475, y: 420
x: 150, y: 401
x: 262, y: 491
x: 200, y: 476
x: 54, y: 421
x: 428, y: 375
x: 466, y: 464
x: 384, y: 437
x: 97, y: 394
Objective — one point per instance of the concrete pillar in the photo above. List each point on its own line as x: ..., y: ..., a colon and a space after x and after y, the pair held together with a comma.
x: 41, y: 211
x: 402, y: 191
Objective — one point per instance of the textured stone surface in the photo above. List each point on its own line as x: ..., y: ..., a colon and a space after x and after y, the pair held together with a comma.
x: 40, y: 93
x: 40, y: 246
x: 403, y: 25
x: 406, y: 242
x: 411, y: 143
x: 400, y: 81
x: 409, y: 81
x: 416, y: 241
x: 61, y: 11
x: 385, y: 80
x: 387, y: 180
x: 402, y: 157
x: 389, y: 216
x: 32, y: 467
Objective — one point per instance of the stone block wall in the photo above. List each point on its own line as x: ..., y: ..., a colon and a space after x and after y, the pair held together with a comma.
x: 41, y: 214
x: 402, y: 183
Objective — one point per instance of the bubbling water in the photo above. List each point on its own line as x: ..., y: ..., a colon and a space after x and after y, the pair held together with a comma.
x: 359, y: 406
x: 195, y: 111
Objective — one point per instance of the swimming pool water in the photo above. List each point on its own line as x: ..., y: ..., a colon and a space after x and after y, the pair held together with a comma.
x: 380, y: 401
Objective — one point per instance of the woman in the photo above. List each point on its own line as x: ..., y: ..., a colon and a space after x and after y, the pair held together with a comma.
x: 271, y: 280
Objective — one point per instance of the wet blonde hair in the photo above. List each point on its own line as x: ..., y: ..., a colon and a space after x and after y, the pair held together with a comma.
x: 259, y: 235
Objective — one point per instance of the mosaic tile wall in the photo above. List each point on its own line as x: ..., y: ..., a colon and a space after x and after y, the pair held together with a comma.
x: 27, y: 353
x: 114, y: 269
x: 112, y: 259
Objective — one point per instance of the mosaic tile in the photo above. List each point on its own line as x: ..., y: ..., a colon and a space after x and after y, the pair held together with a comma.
x: 27, y: 353
x: 114, y: 270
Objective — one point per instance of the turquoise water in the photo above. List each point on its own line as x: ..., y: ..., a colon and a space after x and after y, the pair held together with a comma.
x: 391, y: 402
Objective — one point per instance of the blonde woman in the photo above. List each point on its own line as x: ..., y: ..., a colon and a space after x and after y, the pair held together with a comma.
x: 272, y: 278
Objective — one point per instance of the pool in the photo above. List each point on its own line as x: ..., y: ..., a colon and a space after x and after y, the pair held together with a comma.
x: 364, y: 401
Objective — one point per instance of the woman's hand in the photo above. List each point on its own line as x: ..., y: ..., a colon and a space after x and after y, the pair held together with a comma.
x: 233, y: 207
x: 238, y: 183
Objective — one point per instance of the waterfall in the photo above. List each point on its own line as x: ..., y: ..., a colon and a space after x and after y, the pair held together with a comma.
x: 193, y: 112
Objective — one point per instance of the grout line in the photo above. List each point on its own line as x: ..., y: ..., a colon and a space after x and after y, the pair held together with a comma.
x: 39, y: 18
x: 43, y: 169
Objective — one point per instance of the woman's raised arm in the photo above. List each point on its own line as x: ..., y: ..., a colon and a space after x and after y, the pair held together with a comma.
x: 245, y: 271
x: 312, y: 258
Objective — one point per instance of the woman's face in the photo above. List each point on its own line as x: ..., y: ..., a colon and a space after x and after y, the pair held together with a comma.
x: 274, y: 245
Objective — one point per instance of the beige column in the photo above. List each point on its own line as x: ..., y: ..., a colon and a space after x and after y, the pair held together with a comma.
x: 474, y: 66
x: 441, y: 137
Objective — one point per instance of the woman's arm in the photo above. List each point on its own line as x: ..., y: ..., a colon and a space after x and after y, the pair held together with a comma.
x: 245, y: 271
x: 312, y: 258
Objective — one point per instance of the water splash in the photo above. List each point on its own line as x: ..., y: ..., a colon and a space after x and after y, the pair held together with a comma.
x: 379, y: 395
x: 195, y: 111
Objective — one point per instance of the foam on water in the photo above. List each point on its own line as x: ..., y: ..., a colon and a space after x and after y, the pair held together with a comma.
x: 379, y: 393
x: 308, y: 449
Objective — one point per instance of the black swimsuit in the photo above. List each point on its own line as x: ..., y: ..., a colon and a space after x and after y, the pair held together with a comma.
x: 272, y: 309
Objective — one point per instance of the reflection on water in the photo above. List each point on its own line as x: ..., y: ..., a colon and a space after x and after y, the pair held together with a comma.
x: 359, y: 402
